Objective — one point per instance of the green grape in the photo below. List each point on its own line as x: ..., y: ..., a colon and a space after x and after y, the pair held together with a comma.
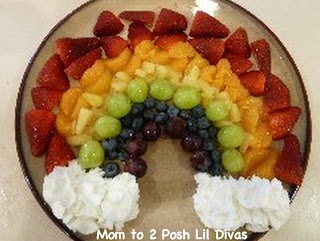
x: 161, y: 90
x: 232, y: 160
x: 137, y: 90
x: 186, y: 97
x: 118, y: 105
x: 217, y: 110
x: 107, y: 127
x: 91, y: 154
x: 231, y: 136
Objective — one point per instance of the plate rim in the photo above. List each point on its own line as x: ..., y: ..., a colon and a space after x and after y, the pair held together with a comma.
x: 18, y: 115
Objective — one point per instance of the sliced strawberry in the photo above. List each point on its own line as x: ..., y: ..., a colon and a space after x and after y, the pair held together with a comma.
x: 113, y: 45
x: 45, y: 98
x: 137, y: 33
x: 169, y: 22
x: 204, y: 25
x: 254, y: 81
x: 238, y: 43
x: 39, y: 127
x: 210, y: 48
x: 288, y: 167
x: 261, y: 49
x: 142, y: 17
x: 59, y: 153
x: 79, y: 66
x: 283, y: 121
x: 70, y: 49
x: 276, y: 96
x: 168, y: 40
x: 52, y: 74
x: 239, y: 65
x: 107, y: 24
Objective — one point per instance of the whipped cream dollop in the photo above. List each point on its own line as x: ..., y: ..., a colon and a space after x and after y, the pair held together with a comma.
x: 228, y: 204
x: 86, y: 201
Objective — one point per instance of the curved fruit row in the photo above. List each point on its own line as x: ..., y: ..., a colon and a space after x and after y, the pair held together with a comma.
x: 101, y: 99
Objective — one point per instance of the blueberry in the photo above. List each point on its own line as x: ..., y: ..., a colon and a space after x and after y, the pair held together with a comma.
x: 161, y: 118
x: 216, y: 169
x: 111, y: 169
x: 121, y: 144
x: 203, y: 133
x: 148, y: 115
x: 215, y: 156
x: 112, y: 155
x: 150, y: 103
x: 213, y: 131
x: 123, y: 155
x: 126, y: 133
x: 137, y: 123
x: 208, y: 145
x: 192, y: 126
x: 184, y: 114
x: 110, y: 145
x: 126, y: 120
x: 173, y: 111
x: 161, y: 106
x: 203, y: 123
x: 137, y: 109
x: 198, y: 111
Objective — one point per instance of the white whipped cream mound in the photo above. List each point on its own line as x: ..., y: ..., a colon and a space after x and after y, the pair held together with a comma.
x: 86, y: 201
x: 228, y: 204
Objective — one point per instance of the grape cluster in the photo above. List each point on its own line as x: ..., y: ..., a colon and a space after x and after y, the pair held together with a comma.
x: 148, y: 120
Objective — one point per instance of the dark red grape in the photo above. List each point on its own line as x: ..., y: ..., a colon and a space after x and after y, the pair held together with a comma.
x: 201, y: 161
x: 135, y: 147
x: 151, y: 131
x: 175, y: 127
x: 191, y: 142
x: 136, y: 167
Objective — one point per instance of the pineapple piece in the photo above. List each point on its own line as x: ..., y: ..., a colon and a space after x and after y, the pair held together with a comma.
x: 148, y: 67
x: 123, y: 76
x: 78, y: 140
x: 234, y: 113
x: 198, y: 61
x: 132, y: 65
x: 119, y: 86
x: 161, y: 71
x: 83, y: 120
x: 81, y: 103
x: 93, y: 99
x: 192, y: 77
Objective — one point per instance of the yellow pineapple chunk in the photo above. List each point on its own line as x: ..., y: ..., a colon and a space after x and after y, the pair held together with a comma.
x: 83, y: 120
x: 78, y: 140
x: 132, y: 65
x: 81, y: 103
x: 93, y: 99
x: 198, y: 61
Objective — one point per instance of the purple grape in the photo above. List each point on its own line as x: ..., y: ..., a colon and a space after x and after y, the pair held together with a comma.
x: 201, y: 161
x: 136, y: 167
x: 135, y: 147
x: 175, y: 127
x: 191, y: 142
x: 151, y: 131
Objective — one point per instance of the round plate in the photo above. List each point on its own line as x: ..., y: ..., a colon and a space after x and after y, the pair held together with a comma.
x: 167, y: 189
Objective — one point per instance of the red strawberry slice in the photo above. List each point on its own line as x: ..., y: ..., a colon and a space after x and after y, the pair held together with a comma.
x: 52, y: 74
x: 204, y: 25
x: 277, y: 95
x: 238, y: 43
x: 59, y: 153
x: 254, y: 81
x: 239, y: 64
x: 288, y: 167
x: 210, y: 48
x: 79, y: 66
x: 45, y: 98
x: 70, y: 49
x: 113, y: 45
x: 261, y: 49
x: 39, y: 127
x: 107, y: 24
x: 168, y: 40
x: 169, y: 22
x: 283, y: 121
x: 137, y: 33
x: 142, y: 17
